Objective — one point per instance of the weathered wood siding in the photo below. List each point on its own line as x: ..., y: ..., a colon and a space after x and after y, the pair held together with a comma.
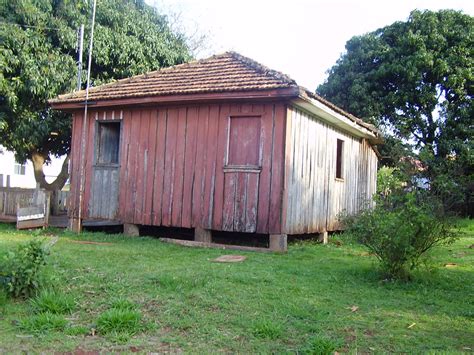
x: 172, y: 168
x: 314, y: 196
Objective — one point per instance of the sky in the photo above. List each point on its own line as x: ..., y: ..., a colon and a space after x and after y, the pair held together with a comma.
x: 300, y: 38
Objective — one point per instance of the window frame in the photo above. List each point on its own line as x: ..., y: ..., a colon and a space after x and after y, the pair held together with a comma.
x: 98, y: 123
x: 21, y: 169
x: 339, y: 168
x: 239, y: 167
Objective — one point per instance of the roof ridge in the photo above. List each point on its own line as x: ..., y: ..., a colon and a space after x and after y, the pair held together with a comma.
x: 262, y: 68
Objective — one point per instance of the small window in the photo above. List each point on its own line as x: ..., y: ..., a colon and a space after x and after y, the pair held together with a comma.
x: 108, y: 142
x: 244, y: 141
x: 339, y: 159
x: 19, y: 169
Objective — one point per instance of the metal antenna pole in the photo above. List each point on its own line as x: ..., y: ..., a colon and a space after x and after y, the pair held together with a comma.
x: 84, y: 123
x: 79, y: 61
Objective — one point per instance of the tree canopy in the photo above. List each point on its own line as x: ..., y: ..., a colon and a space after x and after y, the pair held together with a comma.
x: 38, y: 61
x: 415, y: 80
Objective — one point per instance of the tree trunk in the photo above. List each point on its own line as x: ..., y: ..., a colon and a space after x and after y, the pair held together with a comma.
x: 38, y: 160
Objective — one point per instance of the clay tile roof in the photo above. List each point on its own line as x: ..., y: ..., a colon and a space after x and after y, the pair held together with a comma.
x: 226, y: 72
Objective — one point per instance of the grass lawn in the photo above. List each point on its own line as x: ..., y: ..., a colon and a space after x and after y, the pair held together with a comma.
x: 139, y: 294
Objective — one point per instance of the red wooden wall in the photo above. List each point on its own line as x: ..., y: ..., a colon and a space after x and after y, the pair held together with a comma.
x: 172, y: 167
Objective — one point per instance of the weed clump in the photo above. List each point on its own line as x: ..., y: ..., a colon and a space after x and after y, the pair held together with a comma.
x: 121, y: 321
x: 52, y: 302
x: 320, y: 346
x: 43, y: 322
x: 267, y: 329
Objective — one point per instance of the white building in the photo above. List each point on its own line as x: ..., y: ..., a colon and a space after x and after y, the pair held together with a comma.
x: 22, y: 175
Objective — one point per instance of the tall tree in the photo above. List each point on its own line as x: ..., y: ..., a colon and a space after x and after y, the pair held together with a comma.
x: 415, y: 80
x: 37, y: 62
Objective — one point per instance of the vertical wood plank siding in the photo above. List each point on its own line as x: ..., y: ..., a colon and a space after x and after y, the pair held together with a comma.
x: 314, y: 196
x: 172, y: 168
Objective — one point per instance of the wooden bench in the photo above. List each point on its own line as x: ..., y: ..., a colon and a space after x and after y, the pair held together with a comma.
x: 36, y: 213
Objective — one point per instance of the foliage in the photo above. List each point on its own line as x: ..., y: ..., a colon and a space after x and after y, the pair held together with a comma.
x: 38, y: 55
x: 400, y: 230
x: 21, y: 269
x: 52, y: 302
x: 389, y: 180
x: 414, y: 79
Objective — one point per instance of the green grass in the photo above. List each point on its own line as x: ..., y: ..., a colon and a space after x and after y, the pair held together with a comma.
x: 141, y: 294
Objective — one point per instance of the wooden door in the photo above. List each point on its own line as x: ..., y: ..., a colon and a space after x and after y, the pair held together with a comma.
x: 103, y: 202
x: 242, y: 174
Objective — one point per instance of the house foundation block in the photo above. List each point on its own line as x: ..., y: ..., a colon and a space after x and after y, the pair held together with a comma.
x: 323, y: 237
x: 75, y: 225
x: 279, y: 242
x: 131, y: 230
x: 202, y: 235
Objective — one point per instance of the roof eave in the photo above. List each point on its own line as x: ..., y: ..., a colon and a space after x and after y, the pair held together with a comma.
x: 336, y: 119
x: 280, y: 93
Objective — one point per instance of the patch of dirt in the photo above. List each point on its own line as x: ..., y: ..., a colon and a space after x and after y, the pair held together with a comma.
x: 49, y: 234
x: 79, y: 351
x: 363, y: 253
x: 87, y: 242
x: 152, y: 345
x: 214, y: 309
x: 229, y: 259
x: 450, y: 265
x: 350, y: 336
x: 369, y: 333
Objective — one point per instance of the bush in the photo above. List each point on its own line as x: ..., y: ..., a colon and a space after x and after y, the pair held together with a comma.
x: 21, y: 270
x: 389, y: 180
x: 400, y: 230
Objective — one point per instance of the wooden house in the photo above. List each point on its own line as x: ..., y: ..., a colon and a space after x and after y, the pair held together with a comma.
x: 219, y: 144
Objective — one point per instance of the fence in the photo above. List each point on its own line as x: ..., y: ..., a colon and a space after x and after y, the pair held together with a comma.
x: 11, y: 197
